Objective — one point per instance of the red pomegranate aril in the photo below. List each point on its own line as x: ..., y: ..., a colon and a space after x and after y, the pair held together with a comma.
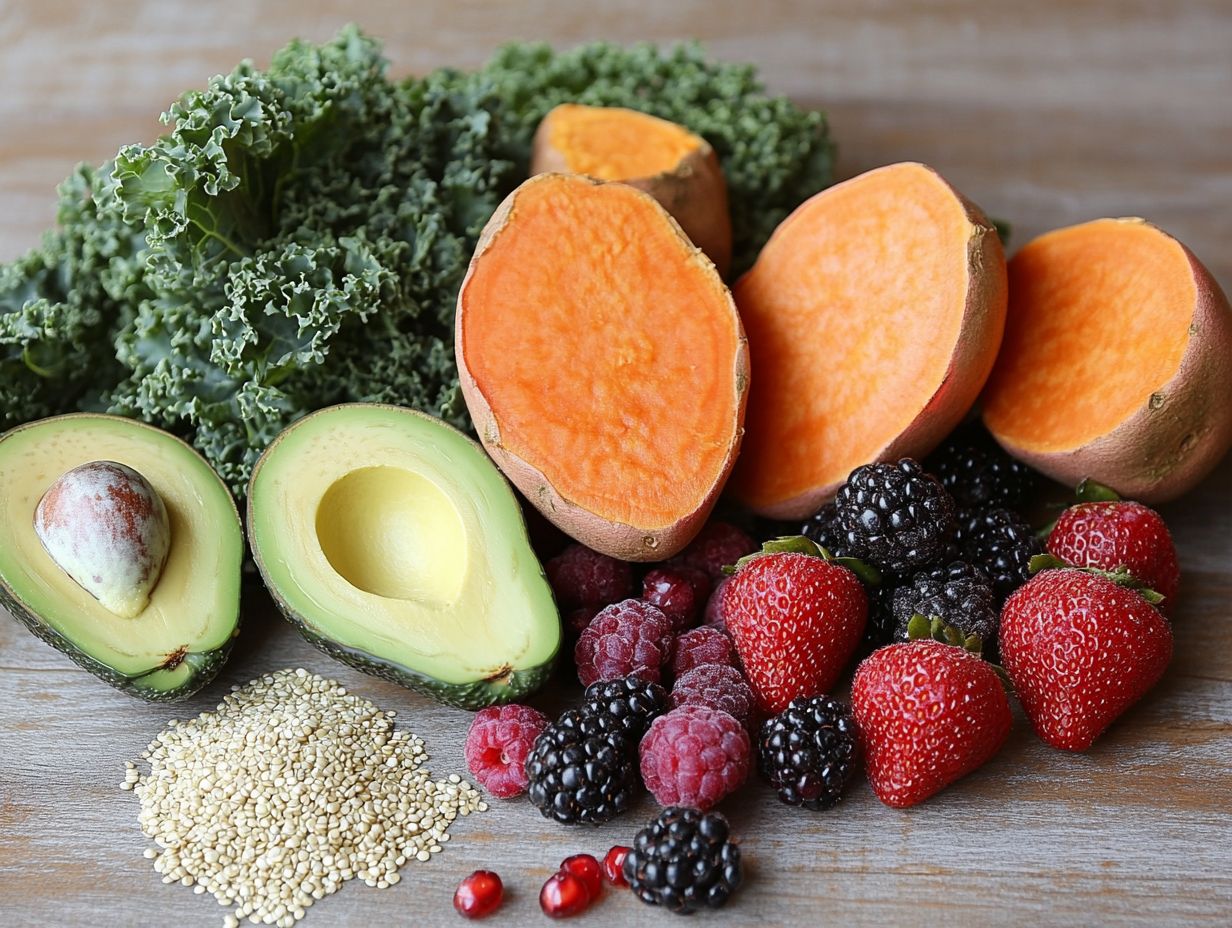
x: 479, y: 894
x: 563, y: 895
x: 586, y: 868
x: 613, y: 865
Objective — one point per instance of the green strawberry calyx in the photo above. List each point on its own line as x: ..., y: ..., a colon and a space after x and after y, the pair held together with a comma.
x: 934, y: 628
x: 1088, y: 491
x: 1121, y: 576
x: 799, y: 544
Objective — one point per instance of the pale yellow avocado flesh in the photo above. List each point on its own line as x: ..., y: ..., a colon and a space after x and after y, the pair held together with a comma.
x: 194, y: 606
x: 389, y: 533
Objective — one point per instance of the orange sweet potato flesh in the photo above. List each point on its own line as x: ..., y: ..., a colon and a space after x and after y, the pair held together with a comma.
x: 1117, y: 360
x: 603, y: 362
x: 667, y: 161
x: 613, y: 143
x: 874, y: 314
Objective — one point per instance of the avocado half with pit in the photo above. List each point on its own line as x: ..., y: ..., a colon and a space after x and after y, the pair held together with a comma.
x: 68, y: 485
x: 392, y: 542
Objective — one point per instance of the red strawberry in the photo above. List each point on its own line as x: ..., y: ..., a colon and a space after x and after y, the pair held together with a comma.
x: 1119, y: 534
x: 796, y: 619
x: 1080, y: 650
x: 930, y: 713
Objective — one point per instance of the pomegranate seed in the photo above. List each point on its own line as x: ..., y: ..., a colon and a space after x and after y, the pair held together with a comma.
x: 478, y: 895
x: 564, y: 894
x: 585, y: 867
x: 613, y: 865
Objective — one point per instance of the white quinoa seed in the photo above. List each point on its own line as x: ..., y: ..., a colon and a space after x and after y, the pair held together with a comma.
x: 287, y: 790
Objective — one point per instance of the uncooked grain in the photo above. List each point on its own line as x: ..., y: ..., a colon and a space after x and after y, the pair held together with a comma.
x: 291, y: 787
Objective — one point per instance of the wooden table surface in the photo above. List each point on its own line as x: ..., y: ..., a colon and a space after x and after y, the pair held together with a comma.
x: 1045, y: 113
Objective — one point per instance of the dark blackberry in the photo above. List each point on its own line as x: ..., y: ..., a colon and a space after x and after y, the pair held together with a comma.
x: 809, y: 751
x: 1001, y: 544
x: 823, y: 528
x: 959, y: 594
x: 896, y: 516
x: 979, y: 474
x: 879, y: 629
x: 580, y: 773
x: 683, y: 861
x: 625, y: 707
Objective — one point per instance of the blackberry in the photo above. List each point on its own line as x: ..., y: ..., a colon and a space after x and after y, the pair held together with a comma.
x: 1001, y: 544
x: 879, y: 629
x: 823, y: 528
x: 580, y: 773
x: 896, y: 516
x: 683, y: 861
x: 810, y: 751
x: 960, y: 594
x: 979, y: 474
x: 624, y: 707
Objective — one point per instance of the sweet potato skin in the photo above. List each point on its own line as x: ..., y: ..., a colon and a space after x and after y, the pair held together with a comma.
x: 1180, y: 432
x: 694, y: 192
x: 617, y: 539
x: 971, y: 363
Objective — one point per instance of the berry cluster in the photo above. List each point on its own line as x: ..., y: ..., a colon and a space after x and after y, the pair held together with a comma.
x: 686, y: 708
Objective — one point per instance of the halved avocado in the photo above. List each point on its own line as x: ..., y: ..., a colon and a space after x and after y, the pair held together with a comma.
x: 179, y: 641
x: 392, y: 542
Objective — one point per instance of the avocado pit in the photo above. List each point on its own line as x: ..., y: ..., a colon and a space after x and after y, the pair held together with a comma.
x: 105, y: 526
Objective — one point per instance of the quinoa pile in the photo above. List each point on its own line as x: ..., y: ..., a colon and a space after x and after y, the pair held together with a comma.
x: 291, y: 787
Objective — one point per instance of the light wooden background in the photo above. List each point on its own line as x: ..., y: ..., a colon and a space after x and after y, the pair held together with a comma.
x: 1045, y: 113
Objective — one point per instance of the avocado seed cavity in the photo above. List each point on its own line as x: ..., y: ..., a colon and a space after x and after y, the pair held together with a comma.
x: 394, y: 533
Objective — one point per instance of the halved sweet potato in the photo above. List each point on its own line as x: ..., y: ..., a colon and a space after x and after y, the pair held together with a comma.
x: 603, y: 362
x: 874, y: 314
x: 676, y: 167
x: 1117, y: 361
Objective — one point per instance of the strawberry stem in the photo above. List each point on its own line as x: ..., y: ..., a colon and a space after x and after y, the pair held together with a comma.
x: 1121, y: 576
x: 800, y: 544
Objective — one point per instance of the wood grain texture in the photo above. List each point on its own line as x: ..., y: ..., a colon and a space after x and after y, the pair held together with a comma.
x: 1046, y: 114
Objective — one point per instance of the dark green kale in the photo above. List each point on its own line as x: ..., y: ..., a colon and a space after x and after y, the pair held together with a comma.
x: 299, y: 235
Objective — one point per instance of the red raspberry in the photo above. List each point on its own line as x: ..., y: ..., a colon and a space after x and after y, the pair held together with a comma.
x: 582, y: 577
x: 678, y: 591
x: 716, y: 610
x: 497, y: 745
x: 694, y: 756
x: 699, y: 646
x: 630, y: 637
x: 717, y: 686
x: 716, y: 546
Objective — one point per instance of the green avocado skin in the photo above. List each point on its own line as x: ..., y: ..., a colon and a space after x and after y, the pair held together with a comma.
x: 204, y: 664
x: 475, y: 695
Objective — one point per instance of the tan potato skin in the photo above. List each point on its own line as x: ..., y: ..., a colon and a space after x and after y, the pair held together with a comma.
x: 694, y: 192
x: 1181, y: 431
x: 617, y: 539
x: 975, y: 352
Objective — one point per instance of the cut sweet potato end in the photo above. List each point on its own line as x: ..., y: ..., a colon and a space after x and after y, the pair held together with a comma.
x: 612, y: 143
x: 1098, y: 320
x: 853, y: 311
x: 608, y: 351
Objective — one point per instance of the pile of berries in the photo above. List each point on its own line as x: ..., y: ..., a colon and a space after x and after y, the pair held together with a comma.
x: 727, y: 659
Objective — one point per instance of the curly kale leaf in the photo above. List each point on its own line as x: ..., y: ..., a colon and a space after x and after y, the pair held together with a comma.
x: 298, y: 236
